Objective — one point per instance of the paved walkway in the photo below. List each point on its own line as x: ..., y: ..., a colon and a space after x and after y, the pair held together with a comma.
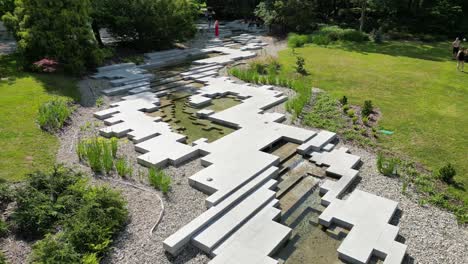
x: 7, y: 42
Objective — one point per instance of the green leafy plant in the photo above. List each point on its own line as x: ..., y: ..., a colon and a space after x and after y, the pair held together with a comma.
x: 2, y: 258
x: 368, y: 108
x: 53, y: 114
x: 99, y: 101
x: 3, y: 228
x: 91, y: 258
x: 102, y: 214
x: 114, y: 146
x: 166, y: 184
x: 44, y: 200
x: 345, y: 108
x: 297, y: 41
x: 155, y: 176
x: 447, y: 173
x: 107, y: 158
x: 365, y: 120
x: 300, y: 66
x: 122, y: 167
x: 351, y: 113
x: 98, y: 152
x: 355, y: 119
x: 387, y: 166
x: 6, y: 195
x: 159, y: 180
x: 54, y: 249
x: 344, y: 100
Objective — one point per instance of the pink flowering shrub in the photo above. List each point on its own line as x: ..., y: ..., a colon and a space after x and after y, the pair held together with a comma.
x: 46, y: 65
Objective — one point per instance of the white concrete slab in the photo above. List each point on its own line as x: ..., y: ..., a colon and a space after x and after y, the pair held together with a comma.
x: 368, y: 215
x: 317, y: 142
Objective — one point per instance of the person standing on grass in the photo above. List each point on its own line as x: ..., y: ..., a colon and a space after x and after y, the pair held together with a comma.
x: 456, y: 47
x: 461, y: 59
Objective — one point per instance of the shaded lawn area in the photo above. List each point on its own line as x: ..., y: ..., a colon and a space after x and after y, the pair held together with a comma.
x: 24, y: 146
x: 424, y: 99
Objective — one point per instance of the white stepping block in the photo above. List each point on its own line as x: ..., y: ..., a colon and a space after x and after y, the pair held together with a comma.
x: 317, y: 142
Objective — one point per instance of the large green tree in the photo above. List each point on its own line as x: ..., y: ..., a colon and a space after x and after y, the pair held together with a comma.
x: 56, y: 29
x: 151, y: 24
x: 416, y: 16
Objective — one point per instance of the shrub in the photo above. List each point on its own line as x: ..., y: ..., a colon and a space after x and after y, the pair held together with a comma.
x: 297, y: 41
x: 45, y: 199
x: 355, y: 119
x: 365, y: 120
x: 53, y: 114
x: 447, y: 173
x: 325, y: 114
x: 122, y: 167
x: 351, y: 113
x: 321, y: 39
x: 3, y: 228
x: 90, y: 259
x: 345, y: 108
x: 387, y: 166
x: 5, y: 193
x: 45, y: 65
x: 367, y: 109
x: 258, y: 66
x: 300, y: 66
x: 99, y: 101
x: 344, y: 100
x: 353, y: 35
x: 103, y: 213
x: 327, y: 34
x: 87, y: 217
x: 54, y: 249
x: 377, y: 36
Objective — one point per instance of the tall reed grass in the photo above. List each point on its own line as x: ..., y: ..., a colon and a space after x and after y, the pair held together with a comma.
x: 99, y: 153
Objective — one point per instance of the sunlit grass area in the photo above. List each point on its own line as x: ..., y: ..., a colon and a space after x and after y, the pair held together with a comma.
x: 24, y: 146
x: 422, y: 96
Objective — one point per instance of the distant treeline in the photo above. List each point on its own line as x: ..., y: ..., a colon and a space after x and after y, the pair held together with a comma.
x: 440, y: 17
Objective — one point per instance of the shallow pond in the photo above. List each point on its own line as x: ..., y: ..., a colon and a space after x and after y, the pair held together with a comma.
x: 176, y: 111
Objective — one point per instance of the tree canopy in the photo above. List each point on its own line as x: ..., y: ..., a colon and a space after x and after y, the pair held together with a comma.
x: 56, y: 29
x: 447, y: 17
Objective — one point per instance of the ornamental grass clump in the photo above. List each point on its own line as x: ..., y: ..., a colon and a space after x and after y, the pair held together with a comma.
x: 53, y: 114
x: 99, y: 153
x: 159, y: 180
x: 123, y: 168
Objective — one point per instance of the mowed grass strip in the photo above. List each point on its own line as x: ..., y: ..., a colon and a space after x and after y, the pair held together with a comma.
x: 24, y: 146
x: 422, y: 96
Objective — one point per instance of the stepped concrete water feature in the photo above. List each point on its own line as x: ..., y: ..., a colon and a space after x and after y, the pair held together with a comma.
x: 264, y: 200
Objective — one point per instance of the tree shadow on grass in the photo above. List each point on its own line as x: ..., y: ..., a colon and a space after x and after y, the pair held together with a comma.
x: 59, y: 84
x: 436, y: 51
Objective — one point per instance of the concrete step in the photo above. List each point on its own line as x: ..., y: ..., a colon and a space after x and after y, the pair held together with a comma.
x: 124, y: 89
x: 233, y: 219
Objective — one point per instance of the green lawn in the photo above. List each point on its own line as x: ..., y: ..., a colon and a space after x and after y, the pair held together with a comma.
x: 24, y: 146
x: 421, y: 95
